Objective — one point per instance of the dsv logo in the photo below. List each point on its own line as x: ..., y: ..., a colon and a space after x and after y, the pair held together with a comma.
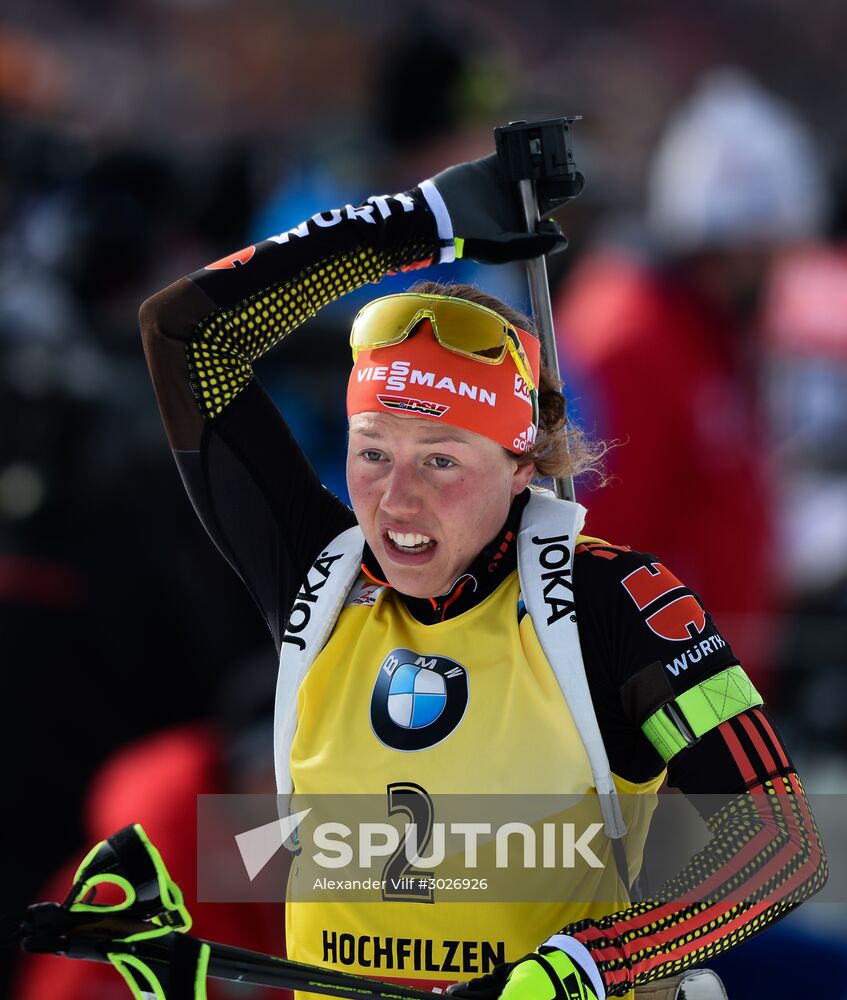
x: 670, y: 611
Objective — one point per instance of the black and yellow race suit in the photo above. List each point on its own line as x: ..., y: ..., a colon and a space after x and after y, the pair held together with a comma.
x: 266, y: 510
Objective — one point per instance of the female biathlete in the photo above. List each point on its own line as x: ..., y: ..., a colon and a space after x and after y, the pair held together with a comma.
x: 411, y: 653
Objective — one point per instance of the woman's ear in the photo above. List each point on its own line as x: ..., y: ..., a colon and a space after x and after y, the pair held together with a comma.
x: 522, y: 476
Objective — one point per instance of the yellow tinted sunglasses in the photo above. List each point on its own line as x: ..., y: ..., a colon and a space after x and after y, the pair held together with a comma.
x: 460, y: 326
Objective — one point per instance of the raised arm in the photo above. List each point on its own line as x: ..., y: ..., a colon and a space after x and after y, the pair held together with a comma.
x: 250, y: 483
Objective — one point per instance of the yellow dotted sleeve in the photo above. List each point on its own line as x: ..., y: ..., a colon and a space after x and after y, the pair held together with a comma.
x: 225, y: 345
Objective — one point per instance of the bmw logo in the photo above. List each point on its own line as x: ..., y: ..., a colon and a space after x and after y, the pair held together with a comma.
x: 418, y: 699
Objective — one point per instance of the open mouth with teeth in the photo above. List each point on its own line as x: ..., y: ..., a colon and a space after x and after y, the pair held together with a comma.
x: 409, y: 542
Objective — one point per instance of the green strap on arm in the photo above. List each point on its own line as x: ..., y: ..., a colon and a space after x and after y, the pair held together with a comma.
x: 681, y: 722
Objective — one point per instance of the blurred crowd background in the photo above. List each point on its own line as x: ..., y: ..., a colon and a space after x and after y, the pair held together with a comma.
x: 701, y: 311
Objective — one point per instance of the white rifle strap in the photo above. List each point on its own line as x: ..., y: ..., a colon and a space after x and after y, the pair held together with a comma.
x: 546, y: 542
x: 313, y: 616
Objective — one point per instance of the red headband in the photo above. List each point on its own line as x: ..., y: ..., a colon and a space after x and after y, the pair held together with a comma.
x: 421, y: 378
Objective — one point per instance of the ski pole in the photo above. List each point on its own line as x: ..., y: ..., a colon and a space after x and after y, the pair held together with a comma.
x: 43, y: 934
x: 537, y: 156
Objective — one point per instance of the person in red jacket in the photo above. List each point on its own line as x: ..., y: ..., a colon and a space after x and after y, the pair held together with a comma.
x: 662, y: 354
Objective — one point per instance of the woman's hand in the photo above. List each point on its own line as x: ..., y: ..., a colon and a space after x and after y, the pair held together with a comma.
x: 485, y: 215
x: 549, y: 973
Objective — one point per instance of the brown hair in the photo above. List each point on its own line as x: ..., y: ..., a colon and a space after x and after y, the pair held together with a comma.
x: 561, y: 448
